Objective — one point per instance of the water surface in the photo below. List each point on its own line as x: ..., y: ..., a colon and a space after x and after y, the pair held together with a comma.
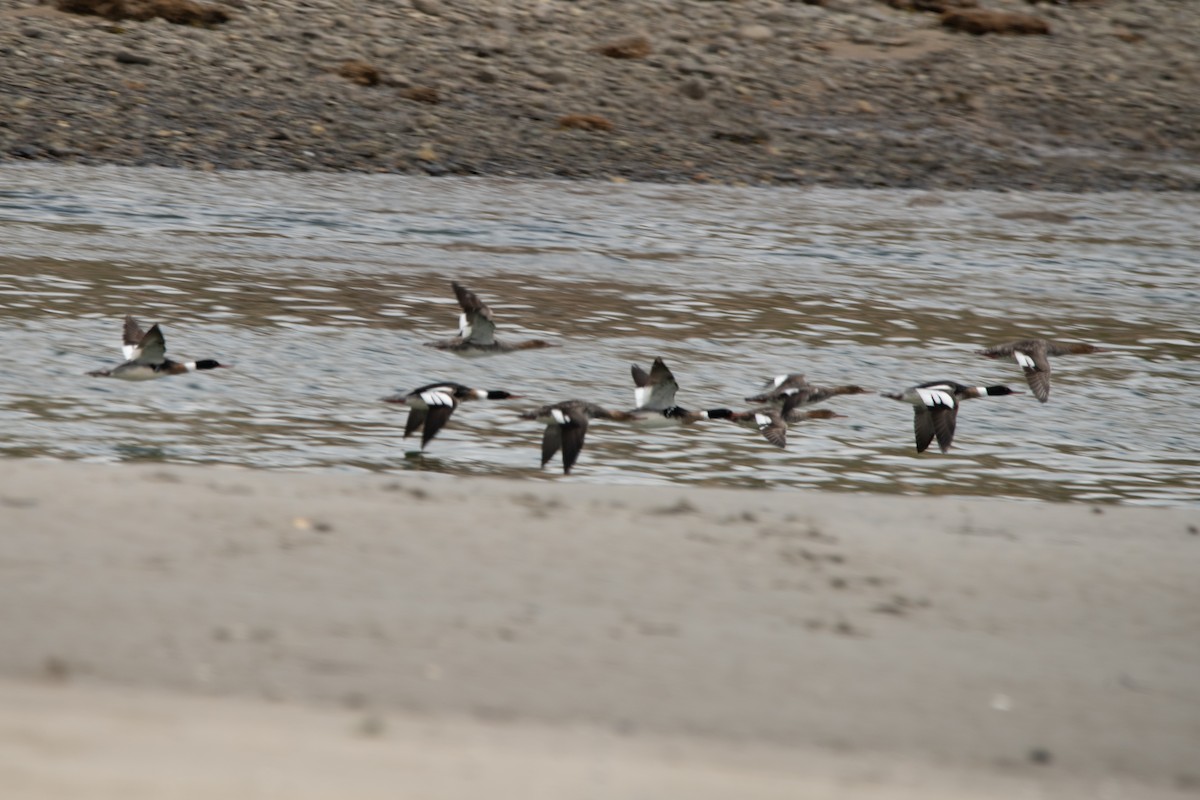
x: 321, y: 290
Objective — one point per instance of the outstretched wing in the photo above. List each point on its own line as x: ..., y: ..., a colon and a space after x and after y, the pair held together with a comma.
x: 439, y: 405
x: 944, y: 420
x: 152, y: 349
x: 656, y: 391
x: 1036, y: 367
x: 132, y: 340
x: 435, y: 419
x: 475, y: 325
x: 572, y: 432
x: 416, y: 418
x: 772, y: 427
x: 551, y: 441
x: 923, y: 427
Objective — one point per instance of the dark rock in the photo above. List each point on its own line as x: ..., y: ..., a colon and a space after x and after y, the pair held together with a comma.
x: 360, y: 72
x: 628, y: 47
x: 422, y: 94
x: 742, y: 137
x: 937, y: 6
x: 126, y: 57
x: 179, y: 12
x: 984, y: 20
x: 585, y: 122
x: 693, y: 89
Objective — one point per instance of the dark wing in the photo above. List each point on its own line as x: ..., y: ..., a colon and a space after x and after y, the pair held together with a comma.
x: 152, y: 349
x: 640, y: 378
x: 475, y: 325
x: 923, y: 427
x: 944, y: 419
x: 551, y: 441
x: 416, y: 418
x: 572, y: 433
x: 132, y: 339
x: 435, y: 419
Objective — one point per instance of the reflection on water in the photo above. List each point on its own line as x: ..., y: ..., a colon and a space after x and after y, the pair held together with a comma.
x: 321, y: 289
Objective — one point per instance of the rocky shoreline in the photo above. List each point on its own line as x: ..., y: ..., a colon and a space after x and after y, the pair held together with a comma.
x: 851, y: 93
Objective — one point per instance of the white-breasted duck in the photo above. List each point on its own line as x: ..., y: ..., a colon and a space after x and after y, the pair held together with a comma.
x: 430, y: 406
x: 935, y: 408
x: 477, y: 330
x: 773, y: 421
x: 781, y: 387
x: 1033, y: 356
x: 146, y: 356
x: 654, y: 398
x: 566, y: 426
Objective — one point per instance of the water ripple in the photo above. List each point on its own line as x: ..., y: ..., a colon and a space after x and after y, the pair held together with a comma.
x: 321, y: 290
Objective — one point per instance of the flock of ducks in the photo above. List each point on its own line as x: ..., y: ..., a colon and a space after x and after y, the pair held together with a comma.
x: 778, y: 406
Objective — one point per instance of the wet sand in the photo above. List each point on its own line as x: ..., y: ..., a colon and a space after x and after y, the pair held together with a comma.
x: 199, y: 632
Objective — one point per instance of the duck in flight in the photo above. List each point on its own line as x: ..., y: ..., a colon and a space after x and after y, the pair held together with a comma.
x: 794, y: 385
x: 1033, y: 356
x: 566, y: 426
x: 654, y: 398
x: 146, y: 357
x: 772, y: 421
x: 430, y: 406
x: 935, y: 408
x: 477, y: 330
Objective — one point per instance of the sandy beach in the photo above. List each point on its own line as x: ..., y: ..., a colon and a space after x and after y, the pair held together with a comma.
x: 198, y: 632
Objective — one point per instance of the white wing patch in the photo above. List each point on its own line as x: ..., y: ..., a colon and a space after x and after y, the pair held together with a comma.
x: 558, y: 416
x: 641, y: 396
x: 130, y: 351
x: 464, y: 327
x: 1023, y: 360
x: 437, y: 397
x: 778, y: 381
x: 762, y: 420
x: 933, y: 396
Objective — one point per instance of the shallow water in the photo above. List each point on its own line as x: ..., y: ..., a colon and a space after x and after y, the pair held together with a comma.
x: 321, y: 290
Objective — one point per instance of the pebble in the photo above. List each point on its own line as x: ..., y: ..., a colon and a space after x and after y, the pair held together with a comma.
x: 496, y: 77
x: 755, y: 33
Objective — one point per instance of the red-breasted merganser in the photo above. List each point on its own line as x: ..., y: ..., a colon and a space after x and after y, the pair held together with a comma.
x: 781, y: 387
x: 771, y: 421
x: 430, y: 406
x: 935, y: 408
x: 654, y: 398
x: 1032, y: 355
x: 477, y: 331
x: 566, y: 426
x: 146, y: 357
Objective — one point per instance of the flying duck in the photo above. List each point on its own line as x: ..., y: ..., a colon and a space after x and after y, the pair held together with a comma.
x: 430, y: 406
x: 477, y: 331
x: 654, y: 398
x: 1032, y: 355
x: 771, y: 421
x: 776, y: 390
x: 935, y: 408
x: 566, y: 426
x: 146, y: 357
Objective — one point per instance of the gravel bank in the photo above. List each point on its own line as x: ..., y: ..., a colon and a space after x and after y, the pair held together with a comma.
x: 843, y: 93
